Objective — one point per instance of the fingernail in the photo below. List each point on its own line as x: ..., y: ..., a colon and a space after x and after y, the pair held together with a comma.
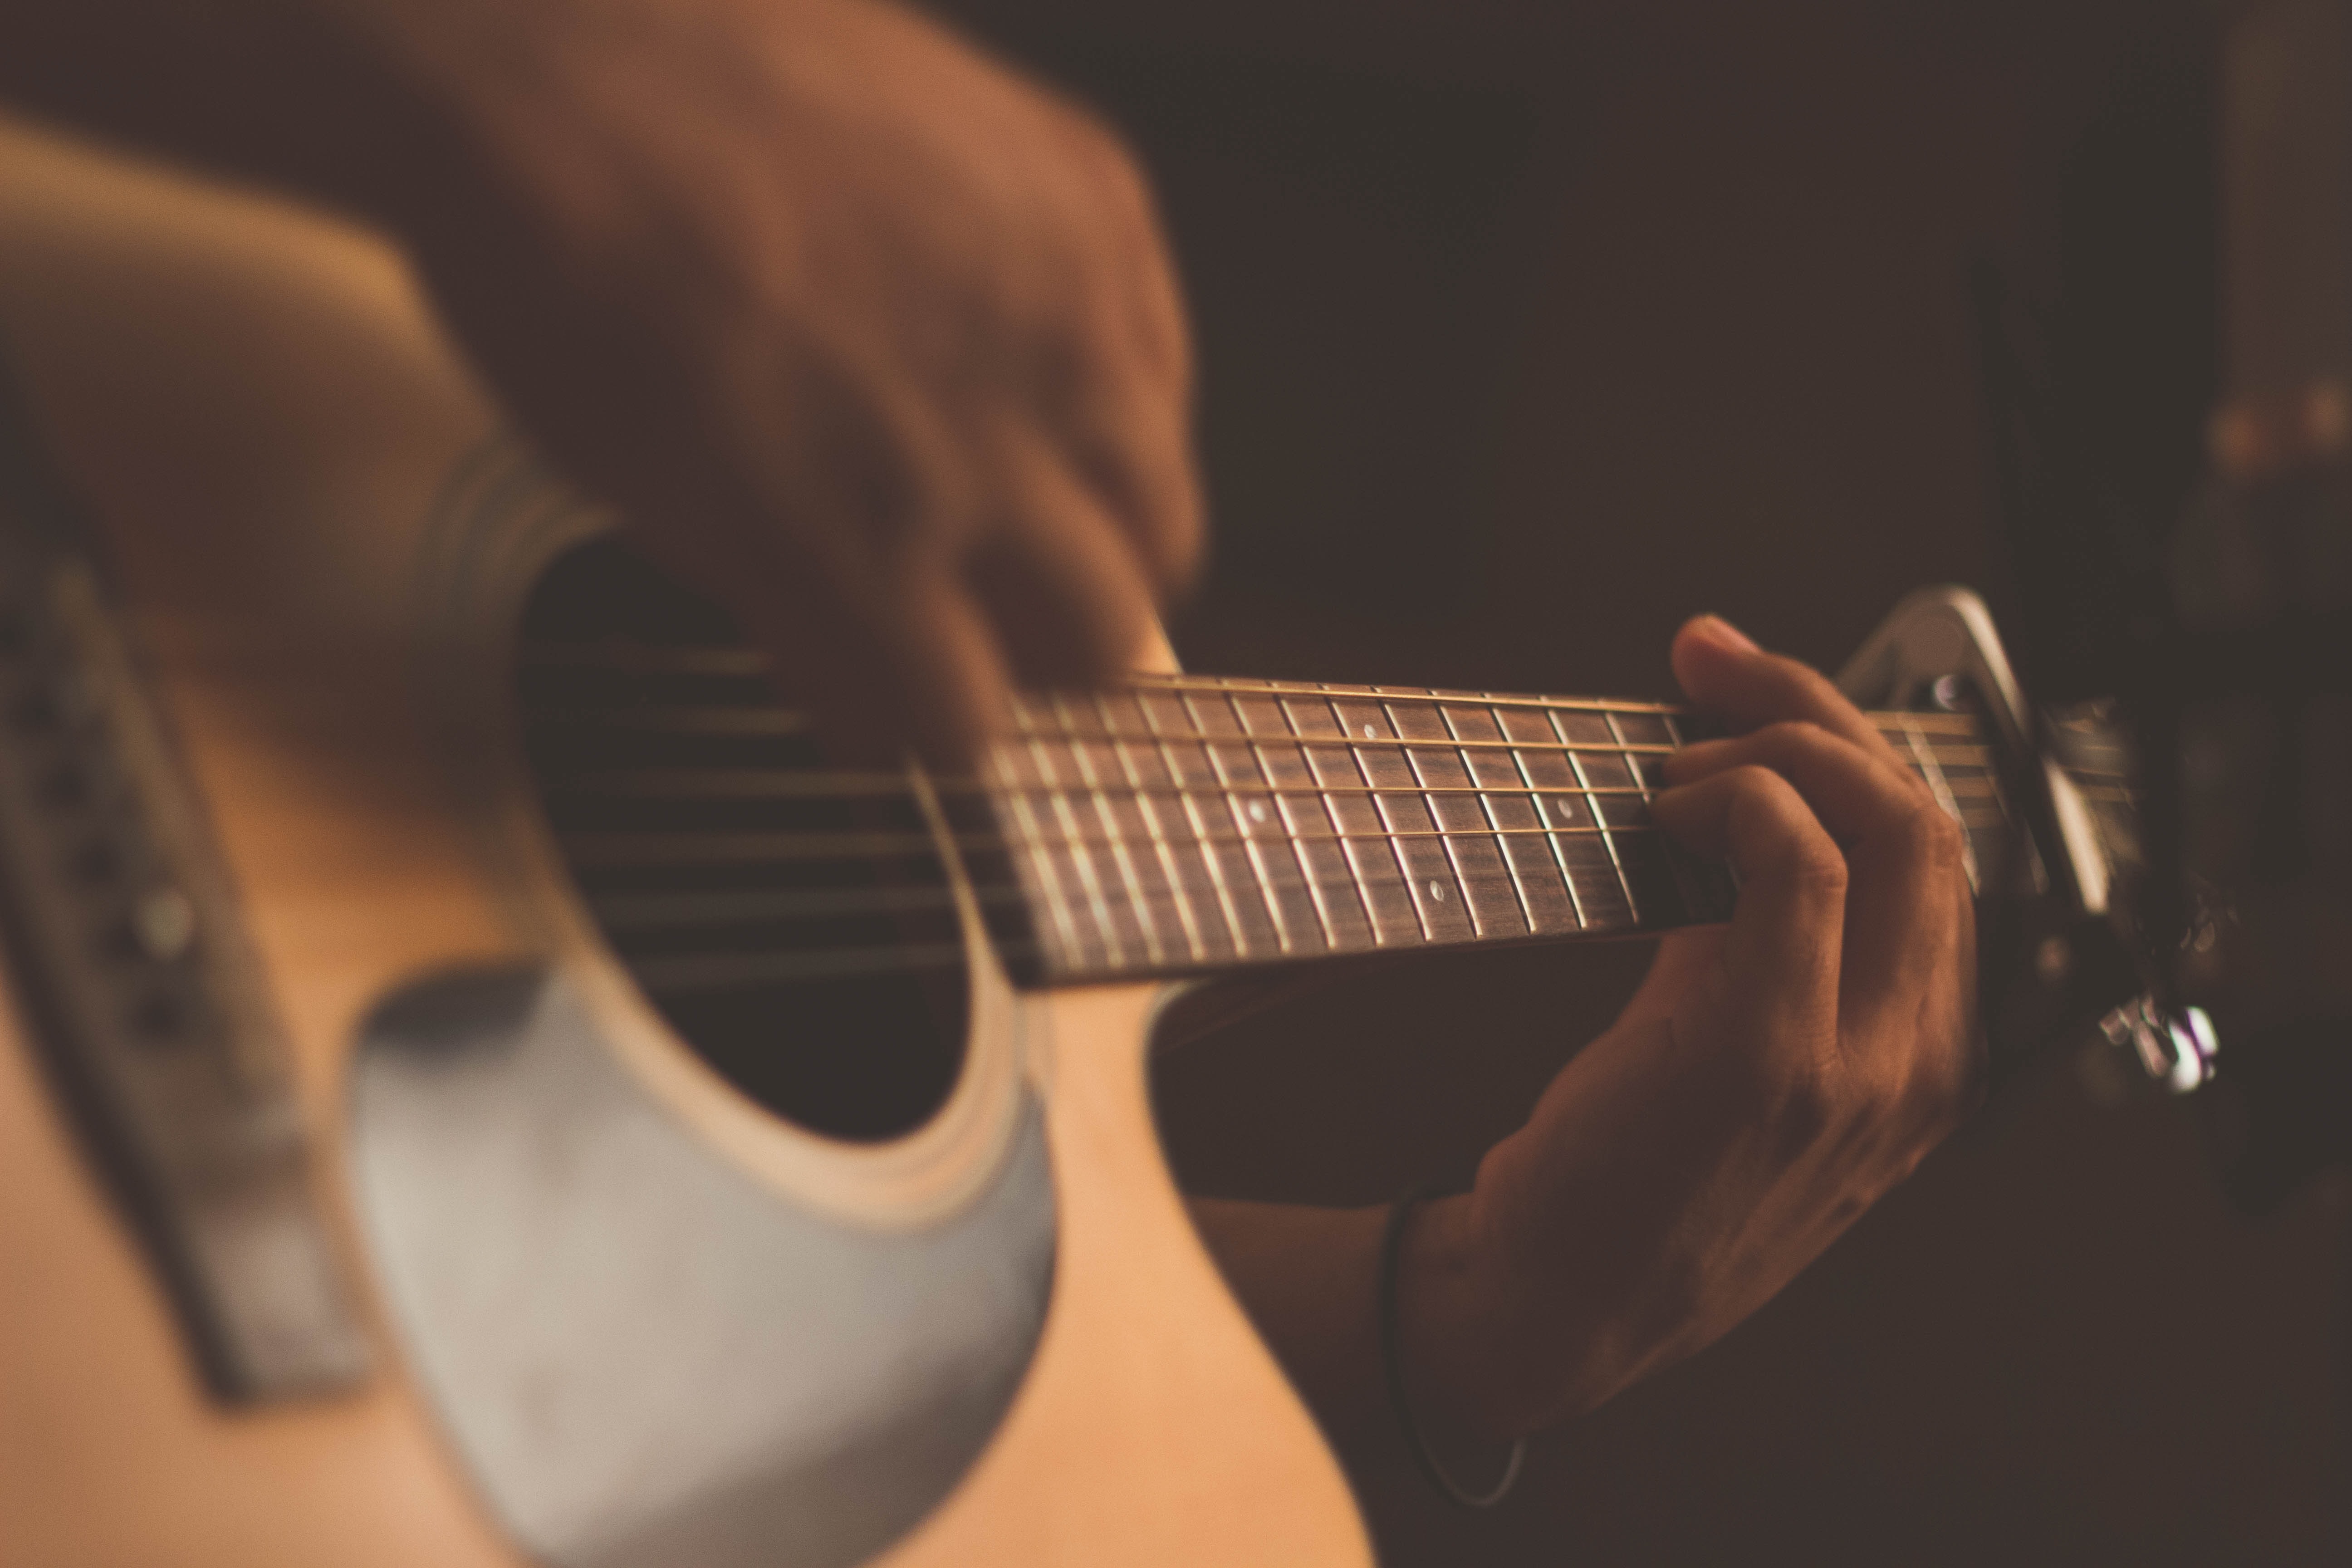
x: 1724, y: 634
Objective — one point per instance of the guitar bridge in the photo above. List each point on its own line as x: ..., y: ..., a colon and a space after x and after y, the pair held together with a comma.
x: 136, y: 990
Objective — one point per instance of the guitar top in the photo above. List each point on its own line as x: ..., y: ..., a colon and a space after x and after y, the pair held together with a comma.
x: 477, y: 1087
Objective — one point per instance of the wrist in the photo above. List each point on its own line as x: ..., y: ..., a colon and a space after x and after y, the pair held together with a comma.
x: 1456, y: 1306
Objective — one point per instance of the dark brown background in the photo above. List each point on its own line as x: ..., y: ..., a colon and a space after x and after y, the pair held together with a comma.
x: 1527, y: 331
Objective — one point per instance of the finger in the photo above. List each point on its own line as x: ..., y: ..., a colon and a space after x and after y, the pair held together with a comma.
x: 927, y: 673
x: 1131, y: 447
x: 1063, y: 593
x: 1151, y: 303
x: 1906, y: 888
x: 1111, y: 381
x: 1124, y: 427
x: 882, y: 661
x: 1781, y: 952
x: 1855, y: 792
x: 1721, y: 670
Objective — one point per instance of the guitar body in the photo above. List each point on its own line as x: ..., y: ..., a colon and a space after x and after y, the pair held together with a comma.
x: 264, y: 429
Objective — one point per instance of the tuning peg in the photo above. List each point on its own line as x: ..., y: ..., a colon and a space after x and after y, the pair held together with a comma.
x: 2174, y: 1046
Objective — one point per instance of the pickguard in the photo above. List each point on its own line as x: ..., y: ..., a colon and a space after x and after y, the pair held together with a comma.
x: 646, y: 1356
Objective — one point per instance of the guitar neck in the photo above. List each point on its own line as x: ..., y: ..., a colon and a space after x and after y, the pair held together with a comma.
x: 1180, y: 825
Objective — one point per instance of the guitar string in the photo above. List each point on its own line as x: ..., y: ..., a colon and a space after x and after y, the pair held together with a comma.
x: 638, y: 849
x: 780, y: 783
x: 731, y: 721
x: 654, y: 846
x: 719, y: 660
x: 677, y: 971
x: 670, y: 972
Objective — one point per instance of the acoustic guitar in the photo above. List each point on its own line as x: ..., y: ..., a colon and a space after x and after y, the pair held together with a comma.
x: 476, y: 1087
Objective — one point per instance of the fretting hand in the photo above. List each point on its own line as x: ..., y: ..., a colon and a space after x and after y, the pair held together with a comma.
x: 1768, y: 1083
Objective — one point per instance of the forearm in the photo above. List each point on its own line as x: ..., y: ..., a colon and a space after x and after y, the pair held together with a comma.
x: 1309, y: 1280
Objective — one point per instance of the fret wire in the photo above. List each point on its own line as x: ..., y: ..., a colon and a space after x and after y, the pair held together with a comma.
x: 1083, y: 860
x: 1320, y: 882
x: 1041, y: 862
x: 726, y: 660
x: 1161, y: 847
x: 758, y: 785
x: 824, y: 785
x: 1323, y: 801
x: 1225, y: 906
x: 1608, y: 843
x: 1240, y: 819
x: 1926, y: 762
x: 1224, y: 683
x: 729, y: 660
x: 1946, y: 723
x: 1486, y: 806
x: 1429, y: 803
x: 1226, y: 911
x: 1143, y: 917
x: 762, y: 721
x: 1322, y: 768
x: 1446, y: 846
x: 1251, y: 852
x: 1978, y: 757
x: 1958, y: 756
x: 1563, y: 745
x: 1409, y: 833
x: 1551, y: 840
x: 1291, y: 847
x: 599, y: 849
x: 1396, y: 847
x: 1617, y: 733
x: 990, y: 892
x: 1384, y: 933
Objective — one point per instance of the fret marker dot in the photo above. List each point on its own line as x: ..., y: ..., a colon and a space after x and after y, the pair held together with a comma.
x: 1437, y: 891
x: 1368, y: 732
x: 1258, y: 811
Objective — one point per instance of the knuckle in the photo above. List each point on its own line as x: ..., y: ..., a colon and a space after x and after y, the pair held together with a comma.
x: 1915, y: 787
x: 1935, y: 840
x: 1803, y: 685
x: 1792, y: 734
x: 1816, y: 866
x: 1803, y: 1106
x: 1106, y: 154
x: 1755, y: 784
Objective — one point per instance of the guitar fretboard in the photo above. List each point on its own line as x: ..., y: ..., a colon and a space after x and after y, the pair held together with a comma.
x: 1188, y: 823
x: 1176, y: 825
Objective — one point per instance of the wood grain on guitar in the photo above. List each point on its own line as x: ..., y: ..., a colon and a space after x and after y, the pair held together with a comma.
x: 260, y: 418
x: 547, y: 891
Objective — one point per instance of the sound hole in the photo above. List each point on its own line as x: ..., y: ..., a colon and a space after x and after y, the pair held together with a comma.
x: 791, y: 922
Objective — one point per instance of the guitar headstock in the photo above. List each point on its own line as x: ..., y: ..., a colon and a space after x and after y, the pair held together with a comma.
x: 2055, y: 854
